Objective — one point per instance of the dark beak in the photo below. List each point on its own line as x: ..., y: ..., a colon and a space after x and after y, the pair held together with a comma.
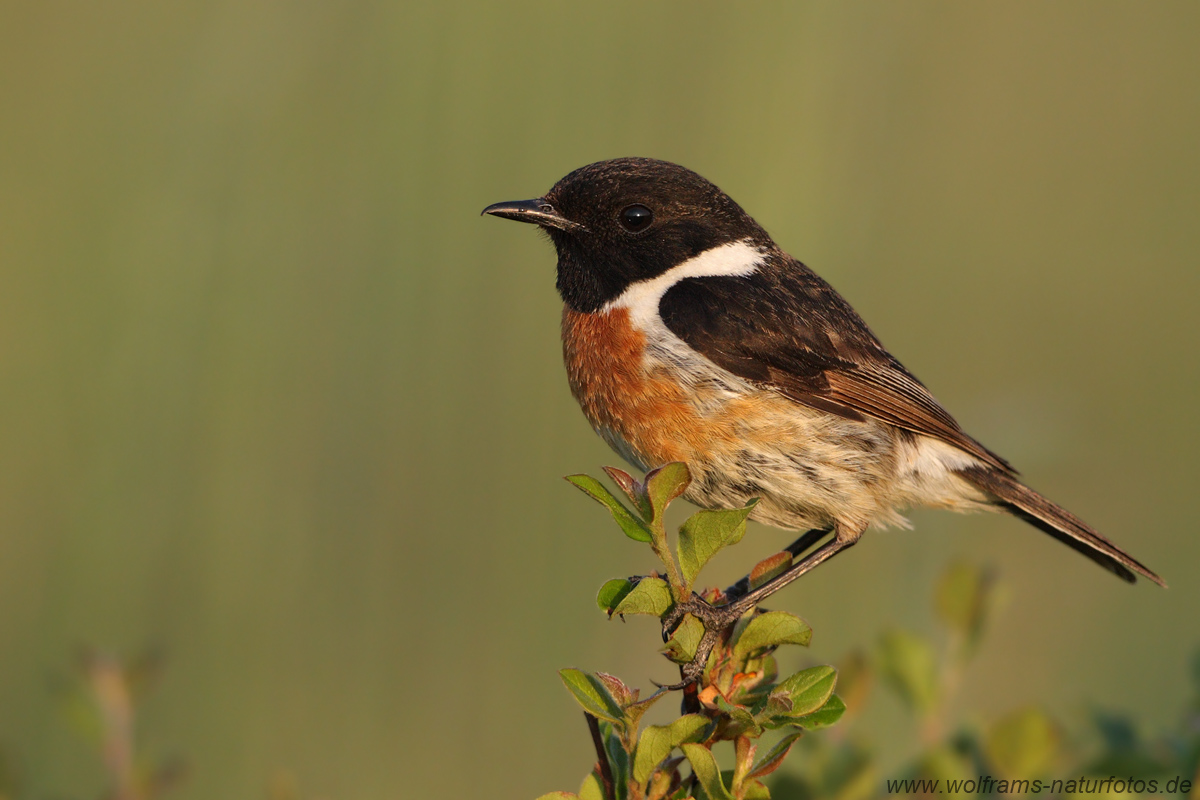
x: 537, y: 211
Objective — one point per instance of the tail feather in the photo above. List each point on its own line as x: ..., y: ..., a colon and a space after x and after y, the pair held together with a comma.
x: 1021, y: 501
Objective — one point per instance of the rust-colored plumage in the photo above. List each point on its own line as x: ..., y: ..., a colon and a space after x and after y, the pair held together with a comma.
x: 649, y: 414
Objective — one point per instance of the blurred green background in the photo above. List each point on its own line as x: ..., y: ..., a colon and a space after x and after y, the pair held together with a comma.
x: 277, y: 400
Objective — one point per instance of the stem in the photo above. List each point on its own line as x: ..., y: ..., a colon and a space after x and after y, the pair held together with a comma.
x: 953, y: 657
x: 658, y: 543
x: 606, y: 776
x: 691, y: 697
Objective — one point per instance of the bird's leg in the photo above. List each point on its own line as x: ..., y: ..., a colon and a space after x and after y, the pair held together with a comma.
x: 837, y: 544
x: 737, y: 590
x: 717, y: 618
x: 795, y: 548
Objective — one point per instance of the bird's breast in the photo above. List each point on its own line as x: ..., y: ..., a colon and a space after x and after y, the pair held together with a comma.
x: 654, y: 400
x: 636, y: 404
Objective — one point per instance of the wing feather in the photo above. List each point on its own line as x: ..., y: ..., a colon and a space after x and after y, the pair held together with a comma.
x: 785, y: 328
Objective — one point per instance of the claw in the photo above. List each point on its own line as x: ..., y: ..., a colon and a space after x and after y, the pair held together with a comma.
x: 715, y: 619
x: 740, y: 599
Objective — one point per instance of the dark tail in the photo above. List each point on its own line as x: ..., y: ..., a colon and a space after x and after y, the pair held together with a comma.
x: 1019, y: 500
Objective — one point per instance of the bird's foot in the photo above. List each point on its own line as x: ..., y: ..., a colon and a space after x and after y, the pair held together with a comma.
x: 715, y: 619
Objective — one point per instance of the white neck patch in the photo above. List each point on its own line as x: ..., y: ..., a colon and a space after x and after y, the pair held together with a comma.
x: 739, y: 258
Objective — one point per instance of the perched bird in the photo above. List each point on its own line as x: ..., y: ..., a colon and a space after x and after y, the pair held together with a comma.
x: 689, y: 335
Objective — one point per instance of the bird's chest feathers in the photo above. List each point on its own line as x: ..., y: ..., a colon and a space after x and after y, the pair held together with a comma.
x: 637, y: 390
x: 654, y: 400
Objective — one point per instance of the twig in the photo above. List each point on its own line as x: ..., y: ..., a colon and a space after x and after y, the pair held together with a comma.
x: 606, y: 776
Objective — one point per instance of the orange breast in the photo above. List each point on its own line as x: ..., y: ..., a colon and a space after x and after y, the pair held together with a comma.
x: 626, y: 402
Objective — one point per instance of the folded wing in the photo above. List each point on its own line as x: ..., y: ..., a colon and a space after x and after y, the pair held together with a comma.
x: 783, y: 327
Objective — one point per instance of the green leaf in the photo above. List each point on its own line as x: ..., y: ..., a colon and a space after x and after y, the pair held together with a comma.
x: 681, y: 793
x: 741, y: 721
x: 663, y: 776
x: 650, y: 596
x: 591, y: 694
x: 965, y: 597
x: 1023, y: 744
x: 657, y: 741
x: 775, y: 704
x: 771, y: 629
x: 768, y: 568
x: 773, y: 760
x: 907, y: 661
x: 828, y: 714
x: 683, y: 643
x: 634, y: 528
x: 634, y: 711
x: 664, y: 484
x: 854, y: 679
x: 558, y: 796
x: 769, y: 666
x: 592, y: 788
x: 944, y: 763
x: 754, y: 790
x: 612, y: 593
x: 617, y: 688
x: 618, y: 757
x: 809, y: 689
x: 635, y: 491
x: 704, y: 766
x: 706, y: 532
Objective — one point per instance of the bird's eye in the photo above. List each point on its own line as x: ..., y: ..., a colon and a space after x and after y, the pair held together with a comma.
x: 636, y: 218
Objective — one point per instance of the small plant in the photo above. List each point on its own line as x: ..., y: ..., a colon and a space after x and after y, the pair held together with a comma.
x: 100, y: 700
x: 737, y: 695
x: 1022, y: 751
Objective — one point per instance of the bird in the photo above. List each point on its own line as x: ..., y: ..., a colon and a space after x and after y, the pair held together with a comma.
x: 689, y: 335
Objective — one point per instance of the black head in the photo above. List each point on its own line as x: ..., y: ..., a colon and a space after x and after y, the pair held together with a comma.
x: 621, y: 221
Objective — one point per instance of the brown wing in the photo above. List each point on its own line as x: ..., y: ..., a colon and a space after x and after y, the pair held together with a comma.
x: 786, y: 328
